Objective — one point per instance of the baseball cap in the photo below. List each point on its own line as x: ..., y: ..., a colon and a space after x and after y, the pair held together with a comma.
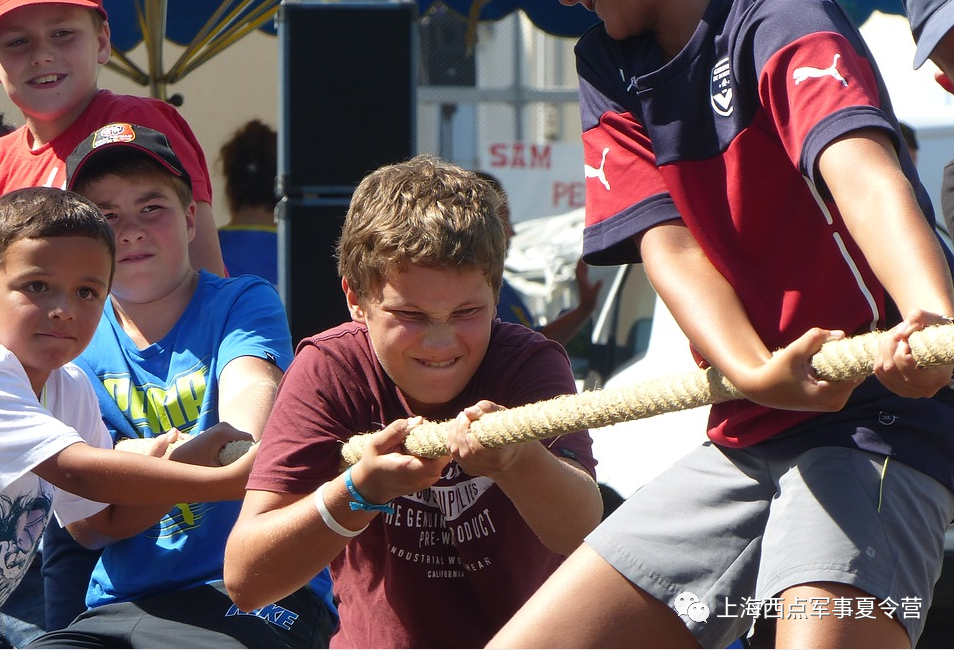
x: 6, y: 6
x: 121, y: 135
x: 930, y: 21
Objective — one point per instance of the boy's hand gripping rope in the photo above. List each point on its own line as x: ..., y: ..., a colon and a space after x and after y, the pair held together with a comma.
x: 849, y: 358
x: 230, y: 453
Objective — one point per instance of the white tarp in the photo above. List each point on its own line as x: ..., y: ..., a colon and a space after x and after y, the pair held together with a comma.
x: 541, y: 263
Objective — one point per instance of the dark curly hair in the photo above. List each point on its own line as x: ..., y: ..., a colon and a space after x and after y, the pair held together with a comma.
x: 249, y: 162
x: 41, y: 212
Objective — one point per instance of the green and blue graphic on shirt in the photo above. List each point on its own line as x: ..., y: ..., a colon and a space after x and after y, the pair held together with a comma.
x: 173, y: 383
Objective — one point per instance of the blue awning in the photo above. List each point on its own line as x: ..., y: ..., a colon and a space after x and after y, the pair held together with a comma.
x: 205, y: 27
x: 185, y: 19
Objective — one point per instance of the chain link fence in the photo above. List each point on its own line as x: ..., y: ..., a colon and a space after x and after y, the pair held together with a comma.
x: 494, y: 82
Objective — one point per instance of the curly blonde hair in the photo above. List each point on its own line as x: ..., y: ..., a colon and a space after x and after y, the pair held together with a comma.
x: 422, y: 211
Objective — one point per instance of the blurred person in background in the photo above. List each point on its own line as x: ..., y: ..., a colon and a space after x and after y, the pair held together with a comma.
x: 249, y: 240
x: 512, y: 309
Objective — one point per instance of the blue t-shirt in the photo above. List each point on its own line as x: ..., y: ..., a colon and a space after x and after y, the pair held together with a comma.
x: 250, y: 250
x: 174, y: 383
x: 512, y: 309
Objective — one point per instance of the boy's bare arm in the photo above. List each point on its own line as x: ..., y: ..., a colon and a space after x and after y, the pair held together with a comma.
x: 116, y: 522
x: 709, y: 311
x: 119, y: 477
x: 290, y: 524
x: 880, y: 210
x: 879, y: 207
x: 247, y: 390
x: 285, y: 524
x: 557, y: 498
x: 204, y: 250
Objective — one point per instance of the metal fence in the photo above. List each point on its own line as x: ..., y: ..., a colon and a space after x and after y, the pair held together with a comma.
x: 505, y: 81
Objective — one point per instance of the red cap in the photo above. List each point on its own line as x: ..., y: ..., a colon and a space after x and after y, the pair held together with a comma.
x: 6, y: 6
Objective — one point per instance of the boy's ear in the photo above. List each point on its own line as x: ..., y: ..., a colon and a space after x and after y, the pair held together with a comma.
x: 105, y: 48
x: 354, y: 304
x: 190, y: 219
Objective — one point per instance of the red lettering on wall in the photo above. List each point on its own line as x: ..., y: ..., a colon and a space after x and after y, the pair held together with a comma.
x: 520, y: 155
x: 568, y: 195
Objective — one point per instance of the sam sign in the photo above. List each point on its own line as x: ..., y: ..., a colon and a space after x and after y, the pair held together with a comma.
x: 541, y: 179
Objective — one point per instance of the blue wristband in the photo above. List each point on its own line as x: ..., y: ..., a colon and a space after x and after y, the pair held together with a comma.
x: 358, y: 502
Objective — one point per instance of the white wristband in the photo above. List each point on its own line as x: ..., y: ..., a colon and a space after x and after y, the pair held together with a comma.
x: 328, y: 518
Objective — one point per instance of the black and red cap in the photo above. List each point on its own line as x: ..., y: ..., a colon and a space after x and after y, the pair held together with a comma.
x: 115, y: 137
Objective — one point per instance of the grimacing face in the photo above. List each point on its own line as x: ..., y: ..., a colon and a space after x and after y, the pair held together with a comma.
x: 430, y: 329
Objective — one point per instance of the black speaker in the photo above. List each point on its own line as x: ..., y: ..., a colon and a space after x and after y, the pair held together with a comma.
x: 347, y: 81
x: 308, y: 231
x: 346, y: 106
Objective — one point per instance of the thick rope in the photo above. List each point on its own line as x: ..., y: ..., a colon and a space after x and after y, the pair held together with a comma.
x: 230, y: 453
x: 849, y: 358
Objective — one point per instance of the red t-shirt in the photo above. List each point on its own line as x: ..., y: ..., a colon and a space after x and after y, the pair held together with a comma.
x: 455, y: 561
x: 46, y: 166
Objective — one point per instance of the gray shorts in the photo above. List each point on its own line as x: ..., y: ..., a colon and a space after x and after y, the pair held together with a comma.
x: 725, y: 531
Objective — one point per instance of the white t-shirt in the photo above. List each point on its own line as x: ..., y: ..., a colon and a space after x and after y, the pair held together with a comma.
x: 30, y: 433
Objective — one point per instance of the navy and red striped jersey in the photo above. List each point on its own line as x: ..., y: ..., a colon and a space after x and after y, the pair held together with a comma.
x: 726, y: 137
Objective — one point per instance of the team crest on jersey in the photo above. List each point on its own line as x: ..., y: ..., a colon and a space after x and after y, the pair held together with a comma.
x: 720, y: 87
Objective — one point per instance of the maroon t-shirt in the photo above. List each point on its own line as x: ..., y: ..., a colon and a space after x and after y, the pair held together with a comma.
x: 455, y: 561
